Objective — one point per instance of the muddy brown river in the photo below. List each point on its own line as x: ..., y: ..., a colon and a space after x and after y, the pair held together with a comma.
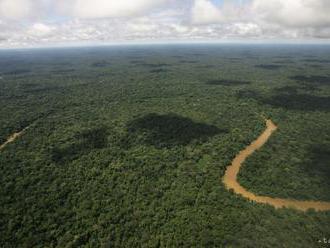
x: 12, y: 138
x: 230, y: 178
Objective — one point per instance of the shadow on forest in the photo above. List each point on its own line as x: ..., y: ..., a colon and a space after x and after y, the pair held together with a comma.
x: 284, y: 61
x: 316, y: 66
x: 63, y: 70
x: 101, y: 64
x: 288, y: 98
x: 188, y: 61
x: 159, y: 70
x: 299, y: 102
x: 18, y: 72
x: 196, y: 54
x: 178, y: 56
x: 233, y: 59
x: 226, y: 82
x: 136, y: 62
x: 287, y: 90
x: 83, y: 143
x: 312, y: 79
x: 269, y: 67
x: 168, y: 130
x: 318, y: 162
x: 150, y: 65
x: 248, y: 94
x: 282, y: 57
x: 207, y: 66
x: 317, y: 60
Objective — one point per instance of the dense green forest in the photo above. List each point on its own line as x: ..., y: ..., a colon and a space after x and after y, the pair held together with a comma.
x: 126, y: 145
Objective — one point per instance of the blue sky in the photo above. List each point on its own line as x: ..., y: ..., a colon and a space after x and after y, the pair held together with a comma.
x: 28, y: 23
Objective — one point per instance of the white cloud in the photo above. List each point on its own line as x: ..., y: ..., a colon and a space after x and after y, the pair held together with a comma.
x: 179, y: 28
x: 286, y: 13
x: 42, y: 22
x: 40, y: 29
x: 246, y: 30
x: 15, y: 9
x: 107, y: 8
x: 294, y: 13
x: 205, y: 12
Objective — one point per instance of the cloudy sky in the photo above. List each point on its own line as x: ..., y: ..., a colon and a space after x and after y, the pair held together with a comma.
x: 26, y: 23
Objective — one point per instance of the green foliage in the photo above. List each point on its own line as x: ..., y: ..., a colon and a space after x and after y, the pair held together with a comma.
x: 126, y: 146
x: 86, y: 141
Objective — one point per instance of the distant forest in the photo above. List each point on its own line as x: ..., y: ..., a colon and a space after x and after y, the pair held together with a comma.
x: 126, y: 146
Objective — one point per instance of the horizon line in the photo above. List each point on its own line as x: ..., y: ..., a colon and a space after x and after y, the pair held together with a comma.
x: 168, y: 42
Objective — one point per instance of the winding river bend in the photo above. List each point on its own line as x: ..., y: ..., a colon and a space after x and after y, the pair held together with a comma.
x: 230, y: 178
